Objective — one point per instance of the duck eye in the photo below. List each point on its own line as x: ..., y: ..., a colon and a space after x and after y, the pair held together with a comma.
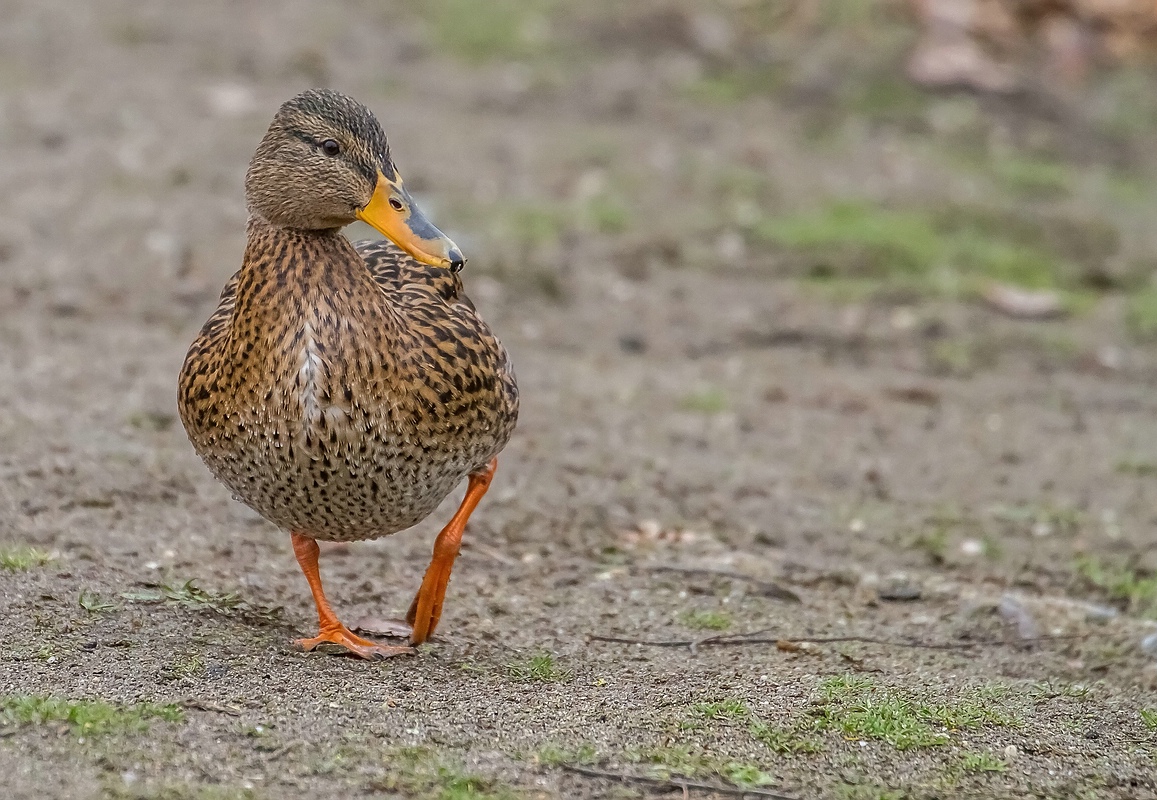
x: 330, y: 147
x: 395, y: 204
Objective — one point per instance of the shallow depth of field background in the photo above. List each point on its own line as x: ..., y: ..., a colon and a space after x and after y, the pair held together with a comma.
x: 834, y: 321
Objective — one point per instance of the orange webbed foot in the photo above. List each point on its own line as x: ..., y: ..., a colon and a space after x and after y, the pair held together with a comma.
x: 355, y: 645
x: 332, y: 631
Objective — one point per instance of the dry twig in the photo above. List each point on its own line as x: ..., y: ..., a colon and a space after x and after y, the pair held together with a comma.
x: 205, y: 705
x: 764, y: 588
x: 757, y: 637
x: 285, y: 748
x: 675, y: 784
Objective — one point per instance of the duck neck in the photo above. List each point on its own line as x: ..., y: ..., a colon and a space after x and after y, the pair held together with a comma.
x: 300, y: 260
x: 313, y: 278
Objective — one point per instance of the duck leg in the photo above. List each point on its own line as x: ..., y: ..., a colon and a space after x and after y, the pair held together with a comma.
x: 426, y: 609
x: 332, y: 631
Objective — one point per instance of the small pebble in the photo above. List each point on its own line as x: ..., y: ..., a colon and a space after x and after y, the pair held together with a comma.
x: 1014, y: 612
x: 899, y: 591
x: 1098, y: 613
x: 1149, y: 645
x: 1023, y: 303
x: 632, y: 343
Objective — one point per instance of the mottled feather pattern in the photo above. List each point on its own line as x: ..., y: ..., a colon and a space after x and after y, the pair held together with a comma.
x: 341, y: 391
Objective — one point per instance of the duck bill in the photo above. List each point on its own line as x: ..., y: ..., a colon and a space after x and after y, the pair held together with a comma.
x: 407, y: 227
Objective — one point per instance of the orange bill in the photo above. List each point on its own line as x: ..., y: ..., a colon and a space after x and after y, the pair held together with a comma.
x: 392, y: 212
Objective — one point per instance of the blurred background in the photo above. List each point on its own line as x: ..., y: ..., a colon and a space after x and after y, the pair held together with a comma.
x: 855, y: 296
x: 869, y: 148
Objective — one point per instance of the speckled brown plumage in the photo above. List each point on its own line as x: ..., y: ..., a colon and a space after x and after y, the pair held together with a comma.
x: 342, y: 391
x: 340, y: 396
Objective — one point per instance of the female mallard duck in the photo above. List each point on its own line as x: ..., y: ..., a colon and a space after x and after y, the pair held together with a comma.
x: 343, y: 390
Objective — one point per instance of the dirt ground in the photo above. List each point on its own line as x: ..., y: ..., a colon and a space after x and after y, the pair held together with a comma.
x: 940, y: 519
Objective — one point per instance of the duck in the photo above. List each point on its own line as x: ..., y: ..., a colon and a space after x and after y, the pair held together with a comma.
x: 344, y: 390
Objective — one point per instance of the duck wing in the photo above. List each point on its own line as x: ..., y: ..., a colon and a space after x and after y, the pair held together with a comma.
x: 396, y: 271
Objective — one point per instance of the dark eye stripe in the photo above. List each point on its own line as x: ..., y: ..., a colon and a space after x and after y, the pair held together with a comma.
x: 311, y: 140
x: 370, y: 173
